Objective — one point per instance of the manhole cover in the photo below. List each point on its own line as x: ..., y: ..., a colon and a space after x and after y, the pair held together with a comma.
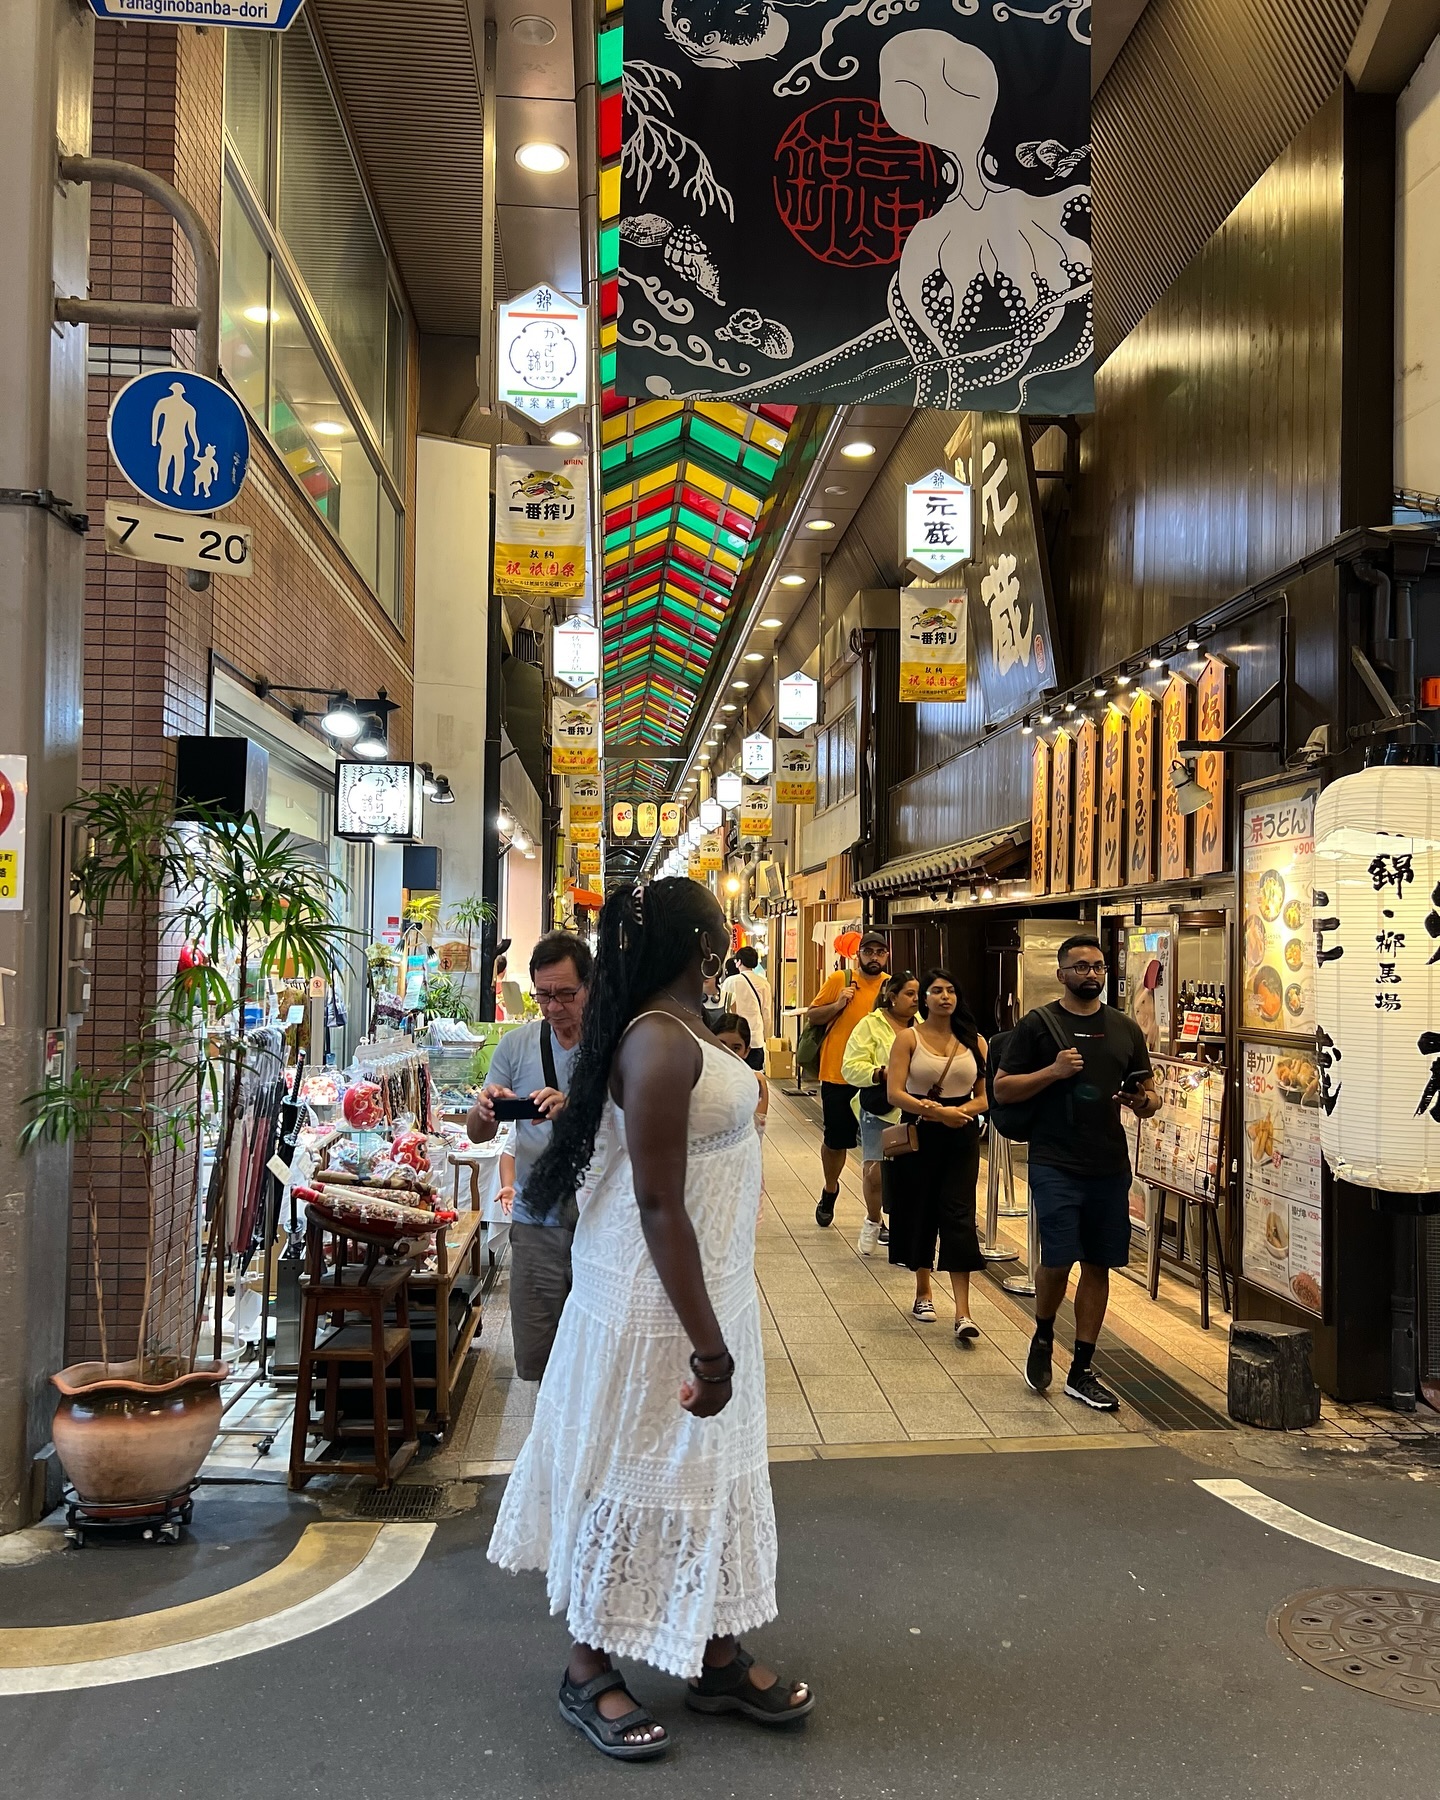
x: 406, y: 1502
x: 1385, y: 1641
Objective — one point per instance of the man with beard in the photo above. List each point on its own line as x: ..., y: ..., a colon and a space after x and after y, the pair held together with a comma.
x: 840, y: 1006
x: 1079, y: 1157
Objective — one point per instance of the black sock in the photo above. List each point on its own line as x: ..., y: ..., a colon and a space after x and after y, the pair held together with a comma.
x: 1083, y: 1353
x: 1045, y: 1329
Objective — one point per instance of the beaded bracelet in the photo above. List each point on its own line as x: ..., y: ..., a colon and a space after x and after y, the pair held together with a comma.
x: 714, y: 1380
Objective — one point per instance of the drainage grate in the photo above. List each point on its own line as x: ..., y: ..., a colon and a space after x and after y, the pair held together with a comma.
x: 1384, y: 1641
x: 414, y: 1501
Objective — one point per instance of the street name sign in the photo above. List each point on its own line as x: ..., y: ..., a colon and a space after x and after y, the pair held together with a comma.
x: 259, y: 15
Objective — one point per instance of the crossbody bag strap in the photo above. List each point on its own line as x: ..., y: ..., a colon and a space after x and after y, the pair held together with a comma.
x: 547, y: 1058
x: 937, y: 1088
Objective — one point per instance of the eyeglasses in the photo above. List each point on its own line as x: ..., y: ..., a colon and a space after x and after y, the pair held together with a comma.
x: 1085, y: 968
x: 556, y: 996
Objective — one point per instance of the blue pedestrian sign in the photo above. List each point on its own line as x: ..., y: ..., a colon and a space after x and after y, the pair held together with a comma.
x: 262, y: 15
x: 181, y: 440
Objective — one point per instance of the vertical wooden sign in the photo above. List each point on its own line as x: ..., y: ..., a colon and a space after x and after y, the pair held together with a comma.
x: 1040, y: 818
x: 1112, y: 799
x: 1174, y: 826
x: 1083, y: 806
x: 1061, y: 776
x: 1210, y: 768
x: 1140, y: 860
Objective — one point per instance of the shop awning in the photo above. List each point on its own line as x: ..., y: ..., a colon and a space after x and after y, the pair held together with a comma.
x: 997, y: 854
x: 586, y: 897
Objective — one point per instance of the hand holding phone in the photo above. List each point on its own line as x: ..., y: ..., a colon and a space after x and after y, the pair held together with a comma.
x: 508, y: 1109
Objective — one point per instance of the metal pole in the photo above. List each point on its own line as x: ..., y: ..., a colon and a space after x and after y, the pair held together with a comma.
x: 485, y: 369
x: 1023, y: 1284
x: 991, y: 1249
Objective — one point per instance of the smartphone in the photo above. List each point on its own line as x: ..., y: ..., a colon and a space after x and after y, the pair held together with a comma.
x: 508, y: 1110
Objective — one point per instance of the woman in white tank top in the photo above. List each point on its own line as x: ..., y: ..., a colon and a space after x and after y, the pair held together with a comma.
x: 936, y: 1078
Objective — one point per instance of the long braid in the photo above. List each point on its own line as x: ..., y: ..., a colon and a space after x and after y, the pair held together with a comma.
x: 647, y: 937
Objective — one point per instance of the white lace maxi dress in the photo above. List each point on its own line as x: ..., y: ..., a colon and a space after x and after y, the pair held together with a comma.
x: 655, y: 1529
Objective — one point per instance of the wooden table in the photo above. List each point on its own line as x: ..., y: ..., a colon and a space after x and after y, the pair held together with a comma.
x: 458, y: 1244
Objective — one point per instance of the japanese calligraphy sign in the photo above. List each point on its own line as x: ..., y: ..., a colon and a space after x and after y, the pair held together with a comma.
x: 622, y: 819
x: 1174, y: 725
x: 670, y: 819
x: 575, y: 653
x: 539, y: 523
x: 755, y: 812
x: 587, y: 807
x: 1210, y: 768
x: 587, y: 859
x: 1040, y: 817
x: 1062, y: 753
x: 1084, y: 803
x: 1140, y: 839
x: 795, y: 778
x: 584, y: 834
x: 1010, y: 625
x: 541, y: 353
x: 574, y: 737
x: 1277, y: 861
x: 932, y: 643
x: 757, y: 755
x: 1377, y: 979
x: 936, y: 524
x: 1112, y: 798
x: 647, y: 819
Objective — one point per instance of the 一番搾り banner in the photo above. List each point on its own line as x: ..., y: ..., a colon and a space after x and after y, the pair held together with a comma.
x: 858, y: 200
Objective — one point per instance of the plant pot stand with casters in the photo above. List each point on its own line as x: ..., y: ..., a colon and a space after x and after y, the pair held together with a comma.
x: 158, y: 1521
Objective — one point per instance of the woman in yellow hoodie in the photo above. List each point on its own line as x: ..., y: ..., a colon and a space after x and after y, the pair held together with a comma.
x: 867, y: 1053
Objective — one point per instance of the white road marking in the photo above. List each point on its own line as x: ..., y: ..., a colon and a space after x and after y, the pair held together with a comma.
x: 1280, y: 1517
x: 391, y: 1560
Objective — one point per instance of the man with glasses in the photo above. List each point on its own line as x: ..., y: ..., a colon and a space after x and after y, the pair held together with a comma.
x: 534, y: 1063
x: 1077, y: 1062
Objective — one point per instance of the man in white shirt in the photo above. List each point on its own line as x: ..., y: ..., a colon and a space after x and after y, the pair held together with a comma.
x: 747, y: 993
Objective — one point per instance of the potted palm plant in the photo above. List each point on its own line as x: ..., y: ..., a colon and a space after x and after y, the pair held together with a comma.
x: 236, y: 904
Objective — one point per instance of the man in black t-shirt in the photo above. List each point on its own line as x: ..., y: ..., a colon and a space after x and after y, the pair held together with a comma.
x: 1079, y: 1157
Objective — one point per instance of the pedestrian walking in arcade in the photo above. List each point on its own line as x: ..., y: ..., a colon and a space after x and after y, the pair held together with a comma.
x: 643, y: 1490
x: 747, y: 993
x: 866, y: 1067
x: 1077, y: 1061
x: 837, y: 1009
x: 936, y: 1079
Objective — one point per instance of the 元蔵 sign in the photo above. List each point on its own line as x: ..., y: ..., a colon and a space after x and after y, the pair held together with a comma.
x: 937, y: 523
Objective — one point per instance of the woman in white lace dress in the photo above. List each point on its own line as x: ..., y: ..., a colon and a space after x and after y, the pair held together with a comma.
x: 643, y: 1491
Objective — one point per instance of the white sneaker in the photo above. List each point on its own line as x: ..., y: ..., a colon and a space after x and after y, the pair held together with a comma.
x: 869, y: 1236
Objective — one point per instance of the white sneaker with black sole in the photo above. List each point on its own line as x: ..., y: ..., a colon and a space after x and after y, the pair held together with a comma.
x: 869, y: 1237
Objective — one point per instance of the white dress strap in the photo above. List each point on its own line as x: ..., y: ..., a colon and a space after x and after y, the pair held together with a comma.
x: 659, y: 1012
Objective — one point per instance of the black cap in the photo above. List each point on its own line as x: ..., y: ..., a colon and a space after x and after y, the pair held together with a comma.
x: 875, y: 937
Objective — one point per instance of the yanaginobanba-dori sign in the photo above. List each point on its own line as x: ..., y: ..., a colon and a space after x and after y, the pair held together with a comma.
x: 259, y: 15
x: 574, y: 737
x: 541, y: 352
x: 539, y: 523
x: 932, y: 644
x: 936, y: 524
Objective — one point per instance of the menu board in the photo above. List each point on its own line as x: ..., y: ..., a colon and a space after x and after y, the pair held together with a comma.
x: 1040, y: 817
x: 1277, y: 849
x: 1281, y: 1173
x: 1181, y: 1146
x: 1084, y: 805
x: 1062, y: 769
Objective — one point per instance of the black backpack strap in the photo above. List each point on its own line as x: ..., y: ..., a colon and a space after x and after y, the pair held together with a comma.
x: 1052, y: 1024
x: 547, y: 1057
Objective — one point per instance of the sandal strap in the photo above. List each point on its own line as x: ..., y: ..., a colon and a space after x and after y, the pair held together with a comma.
x: 583, y: 1693
x: 582, y: 1697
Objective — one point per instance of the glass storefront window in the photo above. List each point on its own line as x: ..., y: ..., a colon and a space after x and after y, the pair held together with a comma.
x: 247, y: 103
x: 387, y: 583
x: 395, y: 389
x: 244, y: 306
x: 307, y: 420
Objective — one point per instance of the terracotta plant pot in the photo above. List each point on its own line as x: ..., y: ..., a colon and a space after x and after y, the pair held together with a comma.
x: 124, y: 1441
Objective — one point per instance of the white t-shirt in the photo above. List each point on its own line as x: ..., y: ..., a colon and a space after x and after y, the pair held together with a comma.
x: 748, y: 994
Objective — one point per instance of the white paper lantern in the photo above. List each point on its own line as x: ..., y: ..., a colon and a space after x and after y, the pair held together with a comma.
x: 1377, y: 981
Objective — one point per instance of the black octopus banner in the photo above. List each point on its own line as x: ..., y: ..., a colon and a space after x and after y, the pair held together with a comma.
x: 858, y: 200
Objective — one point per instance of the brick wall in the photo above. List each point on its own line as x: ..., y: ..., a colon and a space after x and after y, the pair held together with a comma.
x: 304, y: 618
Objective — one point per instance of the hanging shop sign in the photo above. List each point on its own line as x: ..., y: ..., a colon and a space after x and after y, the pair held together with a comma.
x: 1062, y: 757
x: 587, y: 859
x: 14, y: 791
x: 574, y: 737
x: 936, y: 527
x: 541, y: 352
x: 1277, y: 879
x: 670, y: 819
x: 1112, y: 798
x: 712, y: 815
x: 379, y: 800
x: 1040, y: 817
x: 587, y: 805
x: 584, y: 834
x: 757, y: 756
x: 539, y: 523
x: 647, y: 819
x: 622, y: 819
x: 1083, y: 873
x: 227, y: 15
x: 712, y: 853
x: 1282, y: 1175
x: 755, y: 812
x: 1210, y: 767
x: 1011, y: 616
x: 1174, y: 826
x: 795, y: 778
x: 1140, y: 845
x: 799, y: 701
x: 1377, y: 980
x: 728, y: 788
x: 878, y: 252
x: 932, y: 644
x: 181, y: 440
x: 695, y: 867
x: 575, y: 653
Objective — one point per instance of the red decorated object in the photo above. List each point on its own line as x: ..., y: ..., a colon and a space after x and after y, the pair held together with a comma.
x: 410, y: 1148
x: 849, y: 188
x: 363, y: 1106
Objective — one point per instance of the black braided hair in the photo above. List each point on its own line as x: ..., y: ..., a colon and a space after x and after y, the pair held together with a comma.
x: 647, y: 937
x: 890, y: 988
x: 962, y: 1020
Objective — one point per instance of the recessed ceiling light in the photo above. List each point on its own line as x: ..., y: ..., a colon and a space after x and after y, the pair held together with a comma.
x: 566, y: 440
x: 729, y: 706
x: 258, y: 315
x: 530, y: 29
x: 329, y: 428
x: 770, y: 624
x: 753, y: 656
x: 740, y: 687
x: 793, y: 580
x: 857, y: 449
x: 837, y: 490
x: 542, y: 159
x: 819, y: 524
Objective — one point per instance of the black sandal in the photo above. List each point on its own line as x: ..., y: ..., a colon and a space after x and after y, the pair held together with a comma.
x: 728, y: 1688
x: 578, y: 1708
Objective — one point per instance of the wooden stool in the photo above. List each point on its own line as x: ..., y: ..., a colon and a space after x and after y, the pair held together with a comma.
x: 367, y: 1292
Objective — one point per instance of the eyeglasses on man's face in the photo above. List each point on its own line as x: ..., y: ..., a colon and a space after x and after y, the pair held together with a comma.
x: 1083, y: 968
x: 557, y: 996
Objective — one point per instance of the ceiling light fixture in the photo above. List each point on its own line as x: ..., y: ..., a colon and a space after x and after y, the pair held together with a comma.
x: 771, y: 624
x: 542, y: 158
x: 740, y: 687
x: 566, y: 440
x: 793, y: 580
x: 1047, y: 718
x: 857, y: 449
x: 329, y: 428
x: 729, y: 706
x: 819, y: 524
x: 259, y: 315
x: 1192, y: 642
x: 529, y: 28
x: 1027, y: 729
x: 1098, y: 690
x: 1157, y: 662
x: 753, y: 656
x: 1122, y: 679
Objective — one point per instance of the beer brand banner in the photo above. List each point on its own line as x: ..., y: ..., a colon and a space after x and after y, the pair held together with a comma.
x: 539, y: 523
x: 587, y: 859
x: 1083, y: 874
x: 670, y: 819
x: 755, y: 812
x: 1210, y: 769
x: 932, y: 643
x: 584, y: 834
x: 695, y: 868
x: 646, y: 819
x: 1174, y: 725
x: 574, y: 737
x: 795, y: 777
x: 622, y: 819
x: 712, y: 855
x: 904, y: 216
x: 587, y: 804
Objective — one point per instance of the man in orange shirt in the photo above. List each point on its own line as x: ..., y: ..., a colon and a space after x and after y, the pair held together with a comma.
x: 841, y: 1004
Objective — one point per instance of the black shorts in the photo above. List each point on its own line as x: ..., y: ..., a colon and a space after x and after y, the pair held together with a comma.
x: 842, y: 1128
x: 1082, y: 1218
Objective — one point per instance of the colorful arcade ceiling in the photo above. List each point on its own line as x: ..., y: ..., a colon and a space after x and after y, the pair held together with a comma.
x: 684, y: 487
